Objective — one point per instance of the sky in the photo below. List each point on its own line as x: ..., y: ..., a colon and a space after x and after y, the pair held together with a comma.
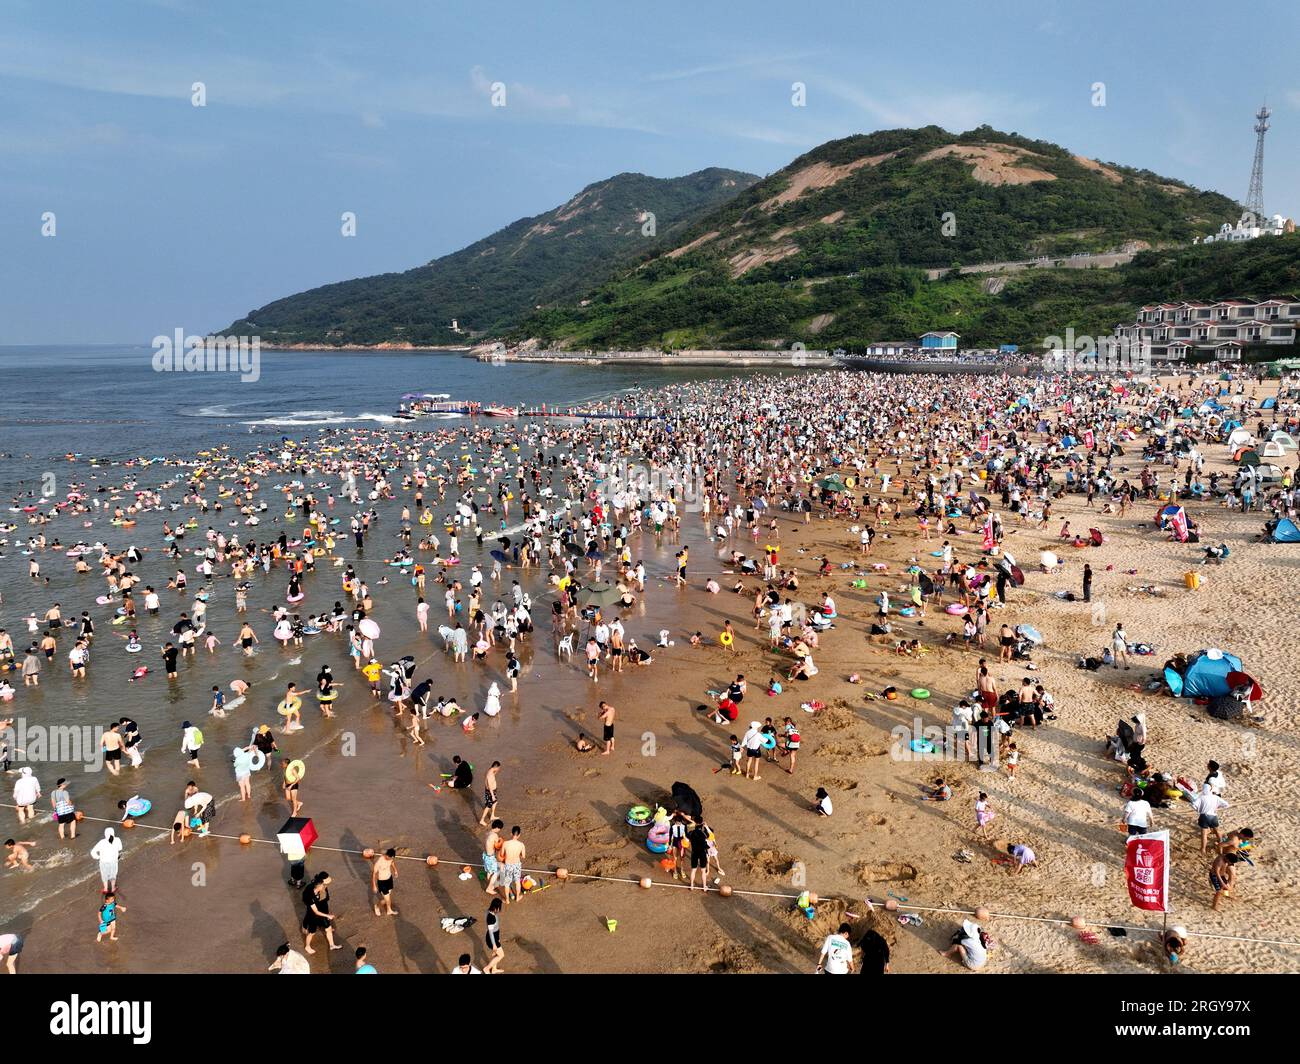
x: 168, y: 215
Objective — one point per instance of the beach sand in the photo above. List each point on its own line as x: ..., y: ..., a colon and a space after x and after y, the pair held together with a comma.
x: 216, y: 905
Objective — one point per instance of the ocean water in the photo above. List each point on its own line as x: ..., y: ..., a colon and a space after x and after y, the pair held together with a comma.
x: 108, y: 403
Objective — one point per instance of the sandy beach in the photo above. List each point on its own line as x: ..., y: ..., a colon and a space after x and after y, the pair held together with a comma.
x: 214, y: 904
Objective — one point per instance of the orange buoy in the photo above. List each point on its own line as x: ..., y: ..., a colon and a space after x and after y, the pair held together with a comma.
x: 1078, y: 922
x: 891, y: 905
x: 368, y: 853
x: 245, y: 839
x: 80, y: 816
x: 812, y: 898
x: 646, y: 882
x: 981, y: 913
x: 431, y: 860
x: 725, y: 890
x: 128, y: 823
x: 561, y: 873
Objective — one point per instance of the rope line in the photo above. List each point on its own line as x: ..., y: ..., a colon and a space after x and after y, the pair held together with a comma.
x: 736, y: 891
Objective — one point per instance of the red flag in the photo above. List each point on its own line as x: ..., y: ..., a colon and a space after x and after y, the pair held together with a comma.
x: 988, y: 532
x: 1146, y: 871
x: 1089, y: 439
x: 1067, y: 407
x: 984, y: 442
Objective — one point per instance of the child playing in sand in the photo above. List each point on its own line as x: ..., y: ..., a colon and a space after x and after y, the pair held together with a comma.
x: 823, y: 807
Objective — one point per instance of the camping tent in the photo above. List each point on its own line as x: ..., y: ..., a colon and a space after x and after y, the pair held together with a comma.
x: 1205, y: 677
x: 1285, y: 531
x: 1269, y: 403
x: 1240, y: 437
x: 1284, y: 440
x: 1272, y: 449
x: 1246, y: 456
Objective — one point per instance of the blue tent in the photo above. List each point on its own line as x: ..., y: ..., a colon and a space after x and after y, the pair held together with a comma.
x: 1206, y: 677
x: 1269, y: 403
x: 1286, y: 532
x: 1067, y: 441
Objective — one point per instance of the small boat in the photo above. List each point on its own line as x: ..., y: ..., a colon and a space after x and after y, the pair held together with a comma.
x: 501, y: 411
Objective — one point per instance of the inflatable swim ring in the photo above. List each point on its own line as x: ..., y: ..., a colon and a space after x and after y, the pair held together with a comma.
x: 921, y: 746
x: 956, y: 609
x: 920, y: 692
x: 289, y: 707
x: 257, y: 761
x: 294, y: 771
x: 639, y: 816
x: 769, y: 741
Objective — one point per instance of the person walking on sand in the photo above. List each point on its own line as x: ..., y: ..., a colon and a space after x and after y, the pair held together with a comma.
x: 383, y: 872
x: 607, y: 714
x: 699, y: 842
x: 983, y: 815
x: 1119, y: 644
x: 492, y: 938
x: 490, y: 793
x: 752, y: 741
x: 318, y: 917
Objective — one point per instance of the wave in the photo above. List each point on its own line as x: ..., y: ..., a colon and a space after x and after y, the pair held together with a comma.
x: 312, y: 418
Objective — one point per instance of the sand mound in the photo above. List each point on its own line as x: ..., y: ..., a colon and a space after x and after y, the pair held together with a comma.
x: 769, y: 862
x: 726, y: 957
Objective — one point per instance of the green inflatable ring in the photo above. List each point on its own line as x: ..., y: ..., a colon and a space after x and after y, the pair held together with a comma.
x: 920, y: 692
x: 639, y: 816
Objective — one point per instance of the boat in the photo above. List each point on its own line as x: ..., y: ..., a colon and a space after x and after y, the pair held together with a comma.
x: 501, y: 411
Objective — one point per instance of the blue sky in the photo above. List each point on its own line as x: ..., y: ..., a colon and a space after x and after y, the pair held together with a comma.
x: 170, y: 215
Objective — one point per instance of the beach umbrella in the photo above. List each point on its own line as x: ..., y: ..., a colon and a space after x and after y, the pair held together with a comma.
x: 601, y: 594
x: 831, y: 483
x: 595, y: 555
x: 575, y: 549
x: 1237, y: 679
x: 368, y: 628
x: 499, y: 555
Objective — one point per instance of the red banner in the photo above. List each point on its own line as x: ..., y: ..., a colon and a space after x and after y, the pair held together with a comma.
x: 1089, y: 439
x: 1146, y: 871
x: 988, y: 533
x: 984, y: 442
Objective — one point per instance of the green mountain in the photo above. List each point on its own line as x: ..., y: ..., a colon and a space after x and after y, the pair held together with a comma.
x: 492, y: 284
x: 834, y: 249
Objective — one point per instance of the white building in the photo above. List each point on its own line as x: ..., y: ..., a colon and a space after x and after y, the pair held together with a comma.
x: 1223, y: 327
x: 1248, y: 227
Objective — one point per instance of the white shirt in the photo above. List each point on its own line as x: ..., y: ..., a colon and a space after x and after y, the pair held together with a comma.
x: 836, y: 955
x: 1137, y: 813
x: 461, y: 971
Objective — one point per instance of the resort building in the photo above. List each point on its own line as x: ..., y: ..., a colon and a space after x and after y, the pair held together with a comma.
x: 1224, y: 327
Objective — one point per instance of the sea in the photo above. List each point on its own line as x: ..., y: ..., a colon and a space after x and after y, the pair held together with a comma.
x: 107, y: 404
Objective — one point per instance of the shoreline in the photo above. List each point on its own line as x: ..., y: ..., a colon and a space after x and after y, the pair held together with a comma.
x: 880, y: 841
